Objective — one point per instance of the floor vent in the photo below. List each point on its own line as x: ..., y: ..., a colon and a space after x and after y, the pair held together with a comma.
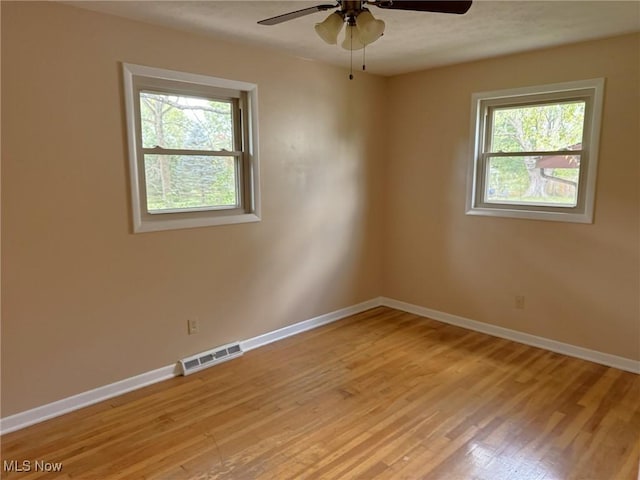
x: 212, y: 357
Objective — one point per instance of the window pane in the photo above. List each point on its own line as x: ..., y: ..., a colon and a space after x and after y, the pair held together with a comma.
x: 542, y: 180
x: 190, y: 182
x: 187, y: 123
x: 537, y: 128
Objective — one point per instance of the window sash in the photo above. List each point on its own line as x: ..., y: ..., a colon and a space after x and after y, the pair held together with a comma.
x: 486, y: 108
x: 591, y: 92
x: 171, y: 90
x: 483, y: 171
x: 245, y: 149
x: 239, y: 134
x: 490, y: 106
x: 236, y: 207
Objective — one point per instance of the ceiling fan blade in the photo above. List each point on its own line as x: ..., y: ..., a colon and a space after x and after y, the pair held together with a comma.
x: 298, y: 13
x: 452, y: 6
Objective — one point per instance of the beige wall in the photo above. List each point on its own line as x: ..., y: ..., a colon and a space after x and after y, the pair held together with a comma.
x: 349, y: 212
x: 581, y: 282
x: 86, y: 302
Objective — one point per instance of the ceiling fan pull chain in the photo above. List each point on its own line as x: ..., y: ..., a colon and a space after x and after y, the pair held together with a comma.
x: 351, y: 54
x: 364, y: 52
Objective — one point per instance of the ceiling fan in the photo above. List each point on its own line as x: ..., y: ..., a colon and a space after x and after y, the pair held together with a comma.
x: 362, y: 28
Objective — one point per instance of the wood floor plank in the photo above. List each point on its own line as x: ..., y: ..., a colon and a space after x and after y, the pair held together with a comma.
x: 380, y: 395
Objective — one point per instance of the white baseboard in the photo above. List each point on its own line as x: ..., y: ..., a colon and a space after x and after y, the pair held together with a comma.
x: 305, y: 325
x: 75, y: 402
x: 84, y: 399
x: 564, y: 348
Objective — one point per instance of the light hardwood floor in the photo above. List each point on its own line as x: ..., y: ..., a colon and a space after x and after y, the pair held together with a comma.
x: 380, y: 395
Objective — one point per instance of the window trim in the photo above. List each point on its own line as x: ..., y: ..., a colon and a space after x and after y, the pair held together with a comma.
x: 142, y: 78
x: 593, y: 91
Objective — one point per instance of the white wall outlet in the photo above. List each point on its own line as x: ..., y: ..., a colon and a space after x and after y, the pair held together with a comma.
x: 193, y: 326
x: 520, y: 302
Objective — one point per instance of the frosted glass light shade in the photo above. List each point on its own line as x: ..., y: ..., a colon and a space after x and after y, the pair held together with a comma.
x: 369, y: 29
x: 352, y: 39
x: 329, y: 29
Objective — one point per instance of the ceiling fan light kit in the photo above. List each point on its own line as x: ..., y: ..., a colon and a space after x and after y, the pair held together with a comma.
x: 365, y: 31
x: 352, y: 39
x: 329, y: 29
x: 362, y: 28
x: 369, y: 29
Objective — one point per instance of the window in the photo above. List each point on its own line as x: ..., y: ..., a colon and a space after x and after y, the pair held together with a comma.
x: 535, y: 152
x: 192, y: 149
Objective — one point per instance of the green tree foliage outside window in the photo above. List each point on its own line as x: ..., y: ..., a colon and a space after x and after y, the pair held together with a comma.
x: 190, y: 180
x: 537, y: 128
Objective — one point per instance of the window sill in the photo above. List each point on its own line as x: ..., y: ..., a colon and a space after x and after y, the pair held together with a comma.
x: 572, y: 217
x: 141, y: 226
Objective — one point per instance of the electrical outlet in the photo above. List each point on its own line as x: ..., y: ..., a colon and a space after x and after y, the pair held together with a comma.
x: 192, y: 326
x: 520, y: 302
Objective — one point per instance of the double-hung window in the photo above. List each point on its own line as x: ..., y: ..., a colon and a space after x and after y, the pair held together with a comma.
x: 535, y: 152
x: 192, y: 148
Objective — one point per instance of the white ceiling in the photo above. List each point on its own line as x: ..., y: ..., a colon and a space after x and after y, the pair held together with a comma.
x: 412, y: 40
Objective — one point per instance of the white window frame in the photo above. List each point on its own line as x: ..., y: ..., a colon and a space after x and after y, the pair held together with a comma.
x: 139, y: 78
x: 592, y: 92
